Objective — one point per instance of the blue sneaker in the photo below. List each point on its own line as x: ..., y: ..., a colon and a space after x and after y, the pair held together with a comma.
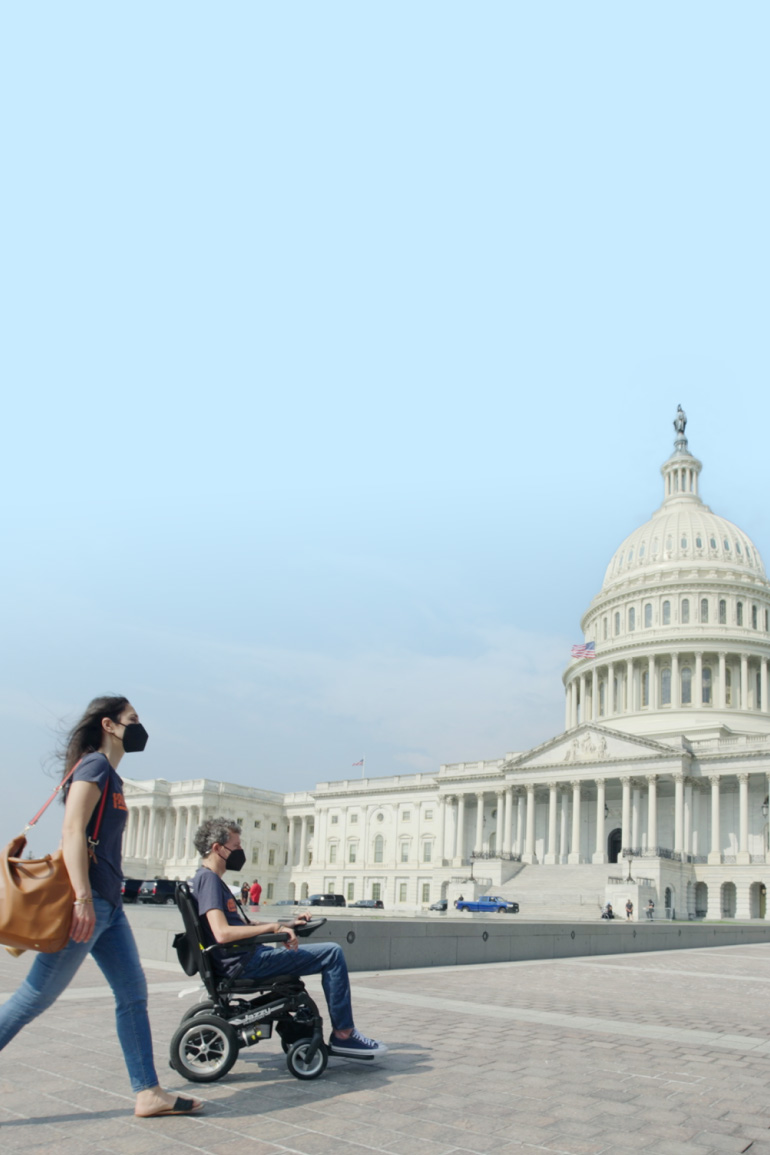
x: 357, y: 1046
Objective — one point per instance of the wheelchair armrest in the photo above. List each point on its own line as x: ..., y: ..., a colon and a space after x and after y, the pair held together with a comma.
x: 247, y: 943
x: 308, y: 928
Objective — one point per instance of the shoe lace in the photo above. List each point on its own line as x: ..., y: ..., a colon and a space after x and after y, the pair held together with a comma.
x: 363, y: 1039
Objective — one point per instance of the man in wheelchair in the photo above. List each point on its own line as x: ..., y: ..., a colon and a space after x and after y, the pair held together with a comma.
x: 218, y: 841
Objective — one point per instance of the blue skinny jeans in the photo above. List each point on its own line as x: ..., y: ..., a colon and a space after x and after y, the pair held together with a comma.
x: 114, y: 950
x: 324, y: 958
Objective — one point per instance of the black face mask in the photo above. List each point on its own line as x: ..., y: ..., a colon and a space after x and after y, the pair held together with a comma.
x: 237, y: 860
x: 134, y: 738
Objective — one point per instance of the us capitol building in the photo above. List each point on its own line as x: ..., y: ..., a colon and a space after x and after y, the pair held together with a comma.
x: 657, y: 788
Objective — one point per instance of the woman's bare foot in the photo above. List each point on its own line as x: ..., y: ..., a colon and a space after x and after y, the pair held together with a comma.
x: 155, y: 1101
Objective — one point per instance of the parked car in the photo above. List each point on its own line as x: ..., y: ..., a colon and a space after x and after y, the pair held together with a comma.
x: 327, y: 900
x: 159, y: 890
x: 371, y: 903
x: 488, y: 902
x: 283, y: 902
x: 440, y: 905
x: 130, y: 889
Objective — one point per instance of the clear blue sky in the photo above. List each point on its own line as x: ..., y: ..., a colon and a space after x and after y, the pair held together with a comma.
x: 341, y: 345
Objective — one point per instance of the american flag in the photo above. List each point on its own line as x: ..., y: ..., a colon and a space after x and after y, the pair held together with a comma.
x: 359, y: 763
x: 587, y: 650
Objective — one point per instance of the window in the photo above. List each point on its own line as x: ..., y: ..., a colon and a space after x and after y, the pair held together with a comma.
x: 270, y: 889
x: 739, y: 613
x: 727, y: 545
x: 704, y: 609
x: 353, y: 852
x: 667, y: 613
x: 239, y: 822
x: 665, y: 686
x: 685, y: 616
x: 648, y: 615
x: 758, y: 693
x: 645, y: 688
x: 706, y: 690
x: 380, y: 817
x: 330, y: 885
x: 255, y: 856
x: 335, y: 819
x: 271, y: 858
x: 273, y: 825
x: 332, y: 853
x: 404, y: 851
x: 767, y: 621
x: 426, y: 892
x: 402, y: 892
x: 754, y: 617
x: 632, y: 619
x: 257, y: 825
x: 684, y: 543
x: 699, y: 542
x: 427, y: 851
x: 722, y: 612
x: 351, y: 894
x: 376, y: 890
x: 615, y: 695
x: 602, y: 698
x: 738, y: 548
x: 686, y: 686
x: 285, y: 858
x: 379, y: 848
x: 728, y: 686
x: 606, y: 629
x: 617, y: 623
x: 353, y: 819
x: 428, y: 815
x: 713, y: 542
x: 406, y: 815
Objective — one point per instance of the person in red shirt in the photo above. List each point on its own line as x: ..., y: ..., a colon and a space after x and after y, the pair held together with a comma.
x: 255, y: 893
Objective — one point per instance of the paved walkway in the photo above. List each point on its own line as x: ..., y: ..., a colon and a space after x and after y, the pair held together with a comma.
x: 665, y: 1053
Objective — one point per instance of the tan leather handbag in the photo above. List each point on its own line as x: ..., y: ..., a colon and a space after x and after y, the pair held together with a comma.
x: 36, y: 894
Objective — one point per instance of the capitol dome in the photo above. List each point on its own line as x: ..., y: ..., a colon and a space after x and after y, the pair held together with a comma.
x: 680, y: 629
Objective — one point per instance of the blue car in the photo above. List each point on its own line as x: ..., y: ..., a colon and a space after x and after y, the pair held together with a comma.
x: 489, y: 903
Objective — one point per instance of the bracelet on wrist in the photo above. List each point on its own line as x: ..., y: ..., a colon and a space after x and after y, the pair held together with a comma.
x: 82, y: 901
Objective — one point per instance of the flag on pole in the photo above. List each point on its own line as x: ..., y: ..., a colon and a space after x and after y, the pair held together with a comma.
x: 359, y: 763
x: 587, y: 650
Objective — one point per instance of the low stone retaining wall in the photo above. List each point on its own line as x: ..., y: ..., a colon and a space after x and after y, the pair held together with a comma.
x: 394, y: 943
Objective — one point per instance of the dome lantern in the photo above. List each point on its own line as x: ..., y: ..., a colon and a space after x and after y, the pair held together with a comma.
x: 680, y: 472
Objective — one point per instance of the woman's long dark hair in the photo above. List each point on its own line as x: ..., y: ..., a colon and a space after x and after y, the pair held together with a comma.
x: 87, y: 735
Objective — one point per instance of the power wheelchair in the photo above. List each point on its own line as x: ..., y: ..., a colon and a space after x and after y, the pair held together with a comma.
x: 241, y: 1012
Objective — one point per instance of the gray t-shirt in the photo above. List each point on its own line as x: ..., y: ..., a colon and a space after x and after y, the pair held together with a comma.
x: 106, y: 874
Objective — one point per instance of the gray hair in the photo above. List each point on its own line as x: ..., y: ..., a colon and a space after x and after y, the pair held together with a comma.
x: 214, y: 830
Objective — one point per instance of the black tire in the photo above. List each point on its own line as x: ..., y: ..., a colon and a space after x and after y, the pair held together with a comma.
x: 205, y: 1008
x: 170, y: 901
x: 295, y: 1060
x: 203, y: 1048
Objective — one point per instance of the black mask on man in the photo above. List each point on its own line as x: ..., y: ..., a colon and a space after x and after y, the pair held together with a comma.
x: 134, y: 737
x: 237, y: 860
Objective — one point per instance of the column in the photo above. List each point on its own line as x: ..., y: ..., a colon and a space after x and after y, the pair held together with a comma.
x: 171, y: 817
x: 151, y: 849
x: 687, y: 839
x: 743, y: 819
x: 595, y: 693
x: 610, y: 691
x: 529, y: 844
x: 678, y: 813
x: 303, y: 825
x: 763, y: 685
x: 460, y: 847
x: 519, y: 846
x: 697, y: 690
x: 652, y: 813
x: 583, y: 711
x: 635, y: 800
x: 676, y: 689
x: 599, y: 852
x: 508, y: 832
x: 766, y: 840
x: 574, y: 702
x: 625, y: 815
x: 715, y: 854
x: 441, y: 831
x: 479, y: 843
x: 629, y: 685
x: 567, y: 705
x: 744, y: 682
x: 563, y: 825
x: 723, y: 682
x: 574, y: 854
x: 653, y: 676
x: 550, y: 854
x: 130, y: 833
x: 499, y: 832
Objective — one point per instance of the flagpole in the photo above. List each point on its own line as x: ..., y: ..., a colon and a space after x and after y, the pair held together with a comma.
x: 363, y: 765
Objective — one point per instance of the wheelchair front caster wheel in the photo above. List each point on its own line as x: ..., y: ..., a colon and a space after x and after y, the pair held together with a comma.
x: 204, y: 1048
x: 296, y: 1060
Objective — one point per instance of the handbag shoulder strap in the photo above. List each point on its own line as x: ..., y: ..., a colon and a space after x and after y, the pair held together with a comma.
x: 61, y: 786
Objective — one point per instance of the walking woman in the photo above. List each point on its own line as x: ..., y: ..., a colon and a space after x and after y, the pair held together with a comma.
x: 109, y: 729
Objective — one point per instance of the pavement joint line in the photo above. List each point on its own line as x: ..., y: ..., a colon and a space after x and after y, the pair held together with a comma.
x: 746, y: 1044
x: 672, y: 974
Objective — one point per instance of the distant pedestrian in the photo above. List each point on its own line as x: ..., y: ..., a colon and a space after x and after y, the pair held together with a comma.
x: 608, y: 911
x: 255, y: 893
x: 245, y: 891
x: 629, y: 910
x: 650, y: 909
x: 458, y: 901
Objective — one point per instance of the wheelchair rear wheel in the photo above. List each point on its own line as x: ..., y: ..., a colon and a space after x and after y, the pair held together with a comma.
x: 203, y: 1048
x: 193, y: 1012
x: 297, y: 1063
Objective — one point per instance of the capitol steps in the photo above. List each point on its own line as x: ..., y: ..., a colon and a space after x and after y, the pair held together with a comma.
x: 560, y: 892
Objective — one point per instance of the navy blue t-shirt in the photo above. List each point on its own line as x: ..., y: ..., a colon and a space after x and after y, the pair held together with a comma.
x: 211, y: 893
x: 106, y: 874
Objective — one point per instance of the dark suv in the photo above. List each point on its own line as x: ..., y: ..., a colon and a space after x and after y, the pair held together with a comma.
x: 327, y: 900
x: 159, y: 890
x: 130, y: 889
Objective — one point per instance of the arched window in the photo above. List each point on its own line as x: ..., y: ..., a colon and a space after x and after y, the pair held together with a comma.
x: 699, y: 542
x: 379, y: 848
x: 722, y: 612
x: 685, y: 616
x: 739, y: 613
x: 404, y: 851
x: 713, y: 542
x: 665, y: 686
x: 427, y: 851
x: 758, y: 693
x: 353, y: 852
x: 667, y: 613
x: 728, y: 686
x: 606, y: 629
x: 645, y: 688
x: 684, y: 542
x: 632, y: 619
x: 704, y: 609
x: 332, y: 852
x: 706, y: 690
x: 686, y: 686
x: 617, y: 623
x: 726, y: 545
x: 648, y: 615
x: 754, y: 617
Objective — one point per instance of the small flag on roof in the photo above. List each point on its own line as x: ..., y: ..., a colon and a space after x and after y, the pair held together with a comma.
x: 587, y: 650
x: 359, y: 763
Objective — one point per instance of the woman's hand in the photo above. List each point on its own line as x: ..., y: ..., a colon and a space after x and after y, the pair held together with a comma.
x: 83, y: 921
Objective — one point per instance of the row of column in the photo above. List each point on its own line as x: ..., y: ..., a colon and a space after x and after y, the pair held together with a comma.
x: 162, y: 833
x: 583, y: 691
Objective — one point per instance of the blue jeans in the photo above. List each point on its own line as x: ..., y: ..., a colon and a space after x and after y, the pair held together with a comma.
x: 114, y: 950
x: 325, y: 958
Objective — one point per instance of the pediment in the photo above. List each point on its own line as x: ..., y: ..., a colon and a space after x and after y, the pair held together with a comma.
x: 590, y: 744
